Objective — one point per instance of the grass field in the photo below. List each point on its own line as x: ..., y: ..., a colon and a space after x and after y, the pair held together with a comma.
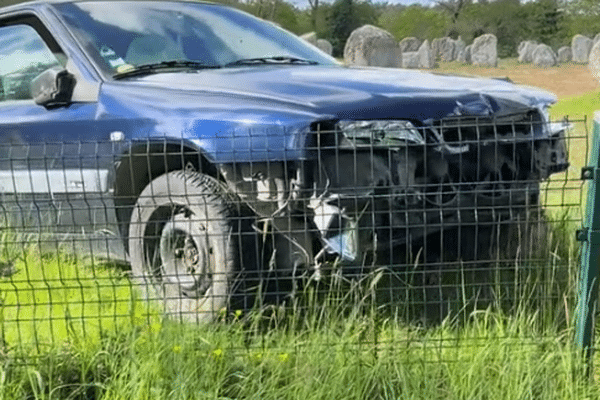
x: 75, y: 329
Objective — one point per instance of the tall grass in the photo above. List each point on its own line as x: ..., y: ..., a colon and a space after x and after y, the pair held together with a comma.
x: 273, y: 354
x: 75, y: 330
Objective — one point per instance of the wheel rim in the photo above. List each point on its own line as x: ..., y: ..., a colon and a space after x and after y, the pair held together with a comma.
x: 184, y: 257
x: 441, y: 192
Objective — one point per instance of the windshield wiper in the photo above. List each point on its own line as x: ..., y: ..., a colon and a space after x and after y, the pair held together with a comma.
x: 271, y: 60
x: 148, y: 69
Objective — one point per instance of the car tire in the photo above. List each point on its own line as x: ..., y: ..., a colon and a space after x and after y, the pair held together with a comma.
x: 183, y: 245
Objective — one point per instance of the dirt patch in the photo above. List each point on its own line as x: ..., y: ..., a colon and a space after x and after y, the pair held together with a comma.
x: 565, y: 80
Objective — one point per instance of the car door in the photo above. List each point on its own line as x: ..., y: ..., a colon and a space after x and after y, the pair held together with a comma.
x: 54, y: 162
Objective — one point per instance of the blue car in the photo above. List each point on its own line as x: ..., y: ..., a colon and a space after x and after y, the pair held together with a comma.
x: 202, y: 145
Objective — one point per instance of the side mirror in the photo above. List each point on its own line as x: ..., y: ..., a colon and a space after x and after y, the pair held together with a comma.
x: 53, y: 87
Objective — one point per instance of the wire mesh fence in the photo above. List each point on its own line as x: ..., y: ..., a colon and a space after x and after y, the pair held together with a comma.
x: 407, y: 228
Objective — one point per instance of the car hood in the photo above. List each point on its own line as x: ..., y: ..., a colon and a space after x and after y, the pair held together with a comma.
x: 266, y: 112
x: 357, y: 93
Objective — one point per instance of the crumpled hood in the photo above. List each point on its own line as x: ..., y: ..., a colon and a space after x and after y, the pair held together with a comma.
x: 264, y: 112
x: 358, y: 93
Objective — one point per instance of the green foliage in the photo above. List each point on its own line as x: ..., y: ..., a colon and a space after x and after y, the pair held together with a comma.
x: 278, y: 11
x: 582, y: 17
x: 584, y: 7
x: 510, y: 20
x: 287, y: 17
x: 4, y: 3
x: 416, y: 21
x: 503, y: 18
x: 344, y: 17
x: 321, y: 15
x: 546, y: 22
x: 343, y: 20
x: 588, y: 25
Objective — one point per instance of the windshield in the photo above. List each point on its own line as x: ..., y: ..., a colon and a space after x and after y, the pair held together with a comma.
x: 122, y: 35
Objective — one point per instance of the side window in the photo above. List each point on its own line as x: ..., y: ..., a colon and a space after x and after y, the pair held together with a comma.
x: 23, y: 55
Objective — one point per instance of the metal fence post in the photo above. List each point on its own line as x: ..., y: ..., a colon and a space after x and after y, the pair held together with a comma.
x: 590, y: 256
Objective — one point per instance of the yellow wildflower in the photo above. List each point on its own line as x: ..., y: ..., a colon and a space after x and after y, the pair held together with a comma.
x: 217, y: 354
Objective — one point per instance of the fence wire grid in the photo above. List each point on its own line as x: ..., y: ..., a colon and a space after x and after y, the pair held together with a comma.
x: 421, y: 226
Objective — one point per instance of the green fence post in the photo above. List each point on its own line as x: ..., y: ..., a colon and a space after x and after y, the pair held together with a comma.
x: 590, y: 256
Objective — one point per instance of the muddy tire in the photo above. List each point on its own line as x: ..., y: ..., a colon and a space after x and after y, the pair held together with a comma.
x: 183, y: 245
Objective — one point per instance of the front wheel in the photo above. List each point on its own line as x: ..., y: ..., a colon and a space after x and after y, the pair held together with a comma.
x: 183, y: 243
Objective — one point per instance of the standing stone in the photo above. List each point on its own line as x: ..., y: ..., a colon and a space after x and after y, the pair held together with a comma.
x: 597, y: 38
x: 409, y: 44
x: 465, y: 55
x: 581, y: 47
x: 423, y: 58
x: 594, y: 61
x: 325, y: 46
x: 310, y: 37
x: 459, y: 46
x: 436, y: 46
x: 426, y: 59
x: 526, y: 49
x: 564, y: 54
x: 372, y: 46
x: 521, y: 45
x: 410, y: 59
x: 447, y: 49
x: 484, y: 51
x: 443, y: 48
x: 543, y: 56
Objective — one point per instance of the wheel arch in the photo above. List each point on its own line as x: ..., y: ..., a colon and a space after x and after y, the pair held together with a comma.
x: 144, y: 161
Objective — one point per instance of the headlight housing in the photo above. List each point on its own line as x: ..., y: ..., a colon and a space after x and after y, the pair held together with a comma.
x: 381, y: 132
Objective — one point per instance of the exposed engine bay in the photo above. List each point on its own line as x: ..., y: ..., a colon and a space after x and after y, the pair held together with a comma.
x: 373, y: 185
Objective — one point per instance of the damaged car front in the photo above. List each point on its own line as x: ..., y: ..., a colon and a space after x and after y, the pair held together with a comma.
x: 388, y: 183
x: 444, y: 156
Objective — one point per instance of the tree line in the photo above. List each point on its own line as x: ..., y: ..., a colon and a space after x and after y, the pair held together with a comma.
x: 553, y: 22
